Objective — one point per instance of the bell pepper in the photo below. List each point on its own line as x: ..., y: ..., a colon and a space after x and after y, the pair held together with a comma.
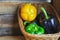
x: 50, y: 24
x: 28, y: 12
x: 40, y: 31
x: 33, y: 28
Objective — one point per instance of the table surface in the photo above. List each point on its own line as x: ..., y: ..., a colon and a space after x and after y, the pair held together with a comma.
x: 12, y: 38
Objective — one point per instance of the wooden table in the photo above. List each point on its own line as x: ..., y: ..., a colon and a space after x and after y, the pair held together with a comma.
x: 11, y: 38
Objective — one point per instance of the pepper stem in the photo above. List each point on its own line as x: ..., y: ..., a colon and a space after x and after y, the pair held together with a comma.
x: 26, y: 22
x: 44, y: 11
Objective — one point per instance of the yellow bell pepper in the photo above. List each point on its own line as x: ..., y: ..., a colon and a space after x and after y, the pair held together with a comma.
x: 28, y: 12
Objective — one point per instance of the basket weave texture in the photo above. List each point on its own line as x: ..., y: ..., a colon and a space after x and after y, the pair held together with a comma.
x: 28, y: 36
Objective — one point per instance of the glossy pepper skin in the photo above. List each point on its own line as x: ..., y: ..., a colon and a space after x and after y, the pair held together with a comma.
x: 28, y: 12
x: 49, y: 23
x: 33, y: 28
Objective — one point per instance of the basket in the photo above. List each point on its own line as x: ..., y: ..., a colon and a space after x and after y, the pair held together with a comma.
x: 44, y: 36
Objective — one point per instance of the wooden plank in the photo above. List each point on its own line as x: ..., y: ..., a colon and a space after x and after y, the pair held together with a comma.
x: 10, y: 31
x: 8, y: 19
x: 8, y: 7
x: 12, y: 38
x: 8, y: 25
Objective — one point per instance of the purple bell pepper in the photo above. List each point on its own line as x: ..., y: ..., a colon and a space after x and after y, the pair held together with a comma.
x: 49, y: 23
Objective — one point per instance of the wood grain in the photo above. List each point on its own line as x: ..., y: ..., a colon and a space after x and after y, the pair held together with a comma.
x: 8, y: 20
x: 12, y: 38
x: 10, y: 31
x: 8, y: 7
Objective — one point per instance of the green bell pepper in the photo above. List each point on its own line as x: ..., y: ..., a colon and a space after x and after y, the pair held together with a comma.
x: 33, y: 28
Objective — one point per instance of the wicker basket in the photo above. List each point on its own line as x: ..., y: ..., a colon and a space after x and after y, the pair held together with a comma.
x: 45, y: 36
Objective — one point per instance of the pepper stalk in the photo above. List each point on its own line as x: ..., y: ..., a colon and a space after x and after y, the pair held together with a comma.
x: 44, y: 11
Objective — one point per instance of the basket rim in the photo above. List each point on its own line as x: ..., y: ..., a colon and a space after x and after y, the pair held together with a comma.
x: 34, y: 35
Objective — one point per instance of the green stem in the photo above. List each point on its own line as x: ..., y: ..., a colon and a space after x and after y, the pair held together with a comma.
x: 44, y: 11
x: 26, y: 22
